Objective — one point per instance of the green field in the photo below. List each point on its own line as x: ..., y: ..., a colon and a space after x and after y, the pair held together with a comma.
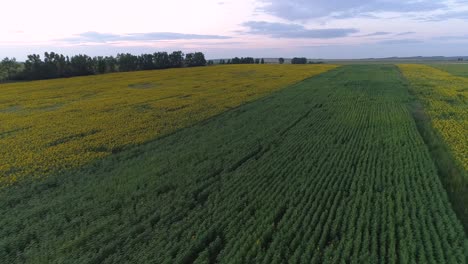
x: 330, y: 170
x: 457, y: 69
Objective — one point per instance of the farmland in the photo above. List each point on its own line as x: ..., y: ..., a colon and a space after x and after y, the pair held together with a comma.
x: 444, y: 99
x: 54, y: 125
x: 457, y: 69
x: 328, y: 170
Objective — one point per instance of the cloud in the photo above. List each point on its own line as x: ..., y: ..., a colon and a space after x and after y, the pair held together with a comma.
x: 380, y: 33
x: 383, y: 33
x: 306, y: 9
x: 405, y: 33
x: 400, y: 41
x: 220, y: 43
x: 283, y: 30
x: 462, y: 15
x: 464, y: 37
x: 97, y: 37
x: 351, y: 14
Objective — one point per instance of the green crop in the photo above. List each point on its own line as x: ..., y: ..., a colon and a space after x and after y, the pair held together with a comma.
x: 331, y: 170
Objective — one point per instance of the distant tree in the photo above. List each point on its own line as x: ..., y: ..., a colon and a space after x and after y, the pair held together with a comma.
x: 127, y: 62
x: 100, y: 65
x: 50, y: 66
x: 257, y: 61
x: 281, y: 60
x: 10, y: 68
x: 297, y: 60
x: 161, y: 60
x: 57, y: 65
x: 111, y: 64
x: 229, y: 61
x: 176, y: 59
x: 54, y: 66
x: 195, y: 59
x: 81, y: 65
x: 247, y: 60
x: 33, y: 69
x: 146, y: 62
x: 189, y: 60
x: 62, y: 65
x: 236, y: 60
x: 242, y: 60
x: 262, y: 61
x: 210, y: 62
x: 200, y: 58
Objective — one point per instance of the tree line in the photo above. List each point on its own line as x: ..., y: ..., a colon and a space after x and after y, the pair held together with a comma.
x: 242, y: 60
x: 300, y: 60
x: 55, y: 65
x: 251, y: 60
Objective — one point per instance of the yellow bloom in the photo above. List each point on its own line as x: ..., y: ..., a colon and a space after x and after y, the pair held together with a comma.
x: 48, y: 126
x: 445, y: 97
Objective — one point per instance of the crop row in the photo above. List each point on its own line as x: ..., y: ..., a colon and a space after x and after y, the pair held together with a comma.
x: 330, y: 170
x: 445, y: 98
x: 54, y: 125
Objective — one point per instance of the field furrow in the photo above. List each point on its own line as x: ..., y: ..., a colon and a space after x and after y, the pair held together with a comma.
x: 329, y: 170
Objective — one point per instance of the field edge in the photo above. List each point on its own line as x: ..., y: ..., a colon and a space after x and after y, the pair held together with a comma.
x: 450, y: 173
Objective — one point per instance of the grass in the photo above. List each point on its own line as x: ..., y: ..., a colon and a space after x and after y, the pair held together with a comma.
x: 54, y: 125
x: 457, y: 69
x: 331, y: 169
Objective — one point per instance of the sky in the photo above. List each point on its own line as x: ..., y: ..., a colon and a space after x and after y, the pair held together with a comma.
x: 329, y: 29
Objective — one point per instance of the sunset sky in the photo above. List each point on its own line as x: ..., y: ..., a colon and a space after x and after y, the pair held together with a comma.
x: 227, y: 28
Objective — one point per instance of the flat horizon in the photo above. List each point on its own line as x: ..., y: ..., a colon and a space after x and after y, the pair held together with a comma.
x: 243, y: 28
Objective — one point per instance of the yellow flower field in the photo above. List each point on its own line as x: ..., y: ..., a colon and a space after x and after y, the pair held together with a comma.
x: 446, y: 101
x: 52, y: 125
